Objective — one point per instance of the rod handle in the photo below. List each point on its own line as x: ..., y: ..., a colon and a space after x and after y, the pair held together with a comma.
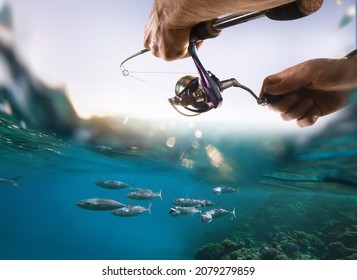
x: 204, y: 30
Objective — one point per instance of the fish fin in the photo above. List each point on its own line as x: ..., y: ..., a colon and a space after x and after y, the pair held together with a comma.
x: 14, y: 181
x: 149, y: 209
x: 234, y: 213
x: 132, y: 186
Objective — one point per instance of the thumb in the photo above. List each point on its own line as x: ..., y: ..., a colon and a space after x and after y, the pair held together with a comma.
x: 277, y: 85
x: 286, y: 81
x: 271, y: 85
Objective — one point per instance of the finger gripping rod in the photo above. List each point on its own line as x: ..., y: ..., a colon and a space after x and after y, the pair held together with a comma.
x: 294, y: 10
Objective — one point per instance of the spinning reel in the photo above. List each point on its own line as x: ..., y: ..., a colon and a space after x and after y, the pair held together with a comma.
x: 200, y: 94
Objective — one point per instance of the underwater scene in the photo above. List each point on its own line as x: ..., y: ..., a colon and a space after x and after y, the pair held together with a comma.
x: 126, y: 188
x: 202, y: 198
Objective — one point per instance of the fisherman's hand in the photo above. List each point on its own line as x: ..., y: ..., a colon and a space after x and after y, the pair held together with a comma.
x: 312, y: 89
x: 167, y: 32
x: 163, y: 36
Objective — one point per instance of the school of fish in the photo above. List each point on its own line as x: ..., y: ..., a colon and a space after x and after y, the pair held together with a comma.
x: 183, y: 206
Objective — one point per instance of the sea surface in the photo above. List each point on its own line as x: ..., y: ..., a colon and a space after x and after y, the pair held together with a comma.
x: 293, y: 201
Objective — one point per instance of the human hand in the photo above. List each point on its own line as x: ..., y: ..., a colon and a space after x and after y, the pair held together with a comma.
x: 162, y: 36
x: 311, y: 89
x: 167, y: 32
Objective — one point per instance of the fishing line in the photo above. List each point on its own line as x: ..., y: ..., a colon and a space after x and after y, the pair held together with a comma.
x: 128, y: 73
x: 229, y: 115
x: 159, y: 72
x: 149, y: 82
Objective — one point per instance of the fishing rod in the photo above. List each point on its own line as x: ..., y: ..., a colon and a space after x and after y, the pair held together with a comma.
x: 203, y: 93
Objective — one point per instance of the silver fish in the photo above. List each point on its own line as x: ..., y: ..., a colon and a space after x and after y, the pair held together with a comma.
x: 136, y: 189
x: 191, y: 202
x: 12, y: 181
x: 144, y: 194
x: 112, y: 184
x: 184, y: 211
x: 130, y: 211
x: 99, y: 204
x: 208, y: 216
x: 219, y: 190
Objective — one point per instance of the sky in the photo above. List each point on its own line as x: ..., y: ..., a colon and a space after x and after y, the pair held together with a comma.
x: 81, y: 46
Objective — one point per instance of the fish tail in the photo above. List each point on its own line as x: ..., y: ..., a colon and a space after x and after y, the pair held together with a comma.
x: 234, y: 213
x: 160, y: 194
x: 149, y: 209
x: 14, y: 181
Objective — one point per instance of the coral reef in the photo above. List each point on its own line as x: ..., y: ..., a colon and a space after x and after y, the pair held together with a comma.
x: 299, y: 227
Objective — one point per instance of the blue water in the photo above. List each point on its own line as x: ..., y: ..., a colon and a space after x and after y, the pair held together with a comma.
x: 39, y: 218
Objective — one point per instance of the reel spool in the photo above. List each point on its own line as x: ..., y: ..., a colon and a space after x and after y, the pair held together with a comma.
x: 190, y: 95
